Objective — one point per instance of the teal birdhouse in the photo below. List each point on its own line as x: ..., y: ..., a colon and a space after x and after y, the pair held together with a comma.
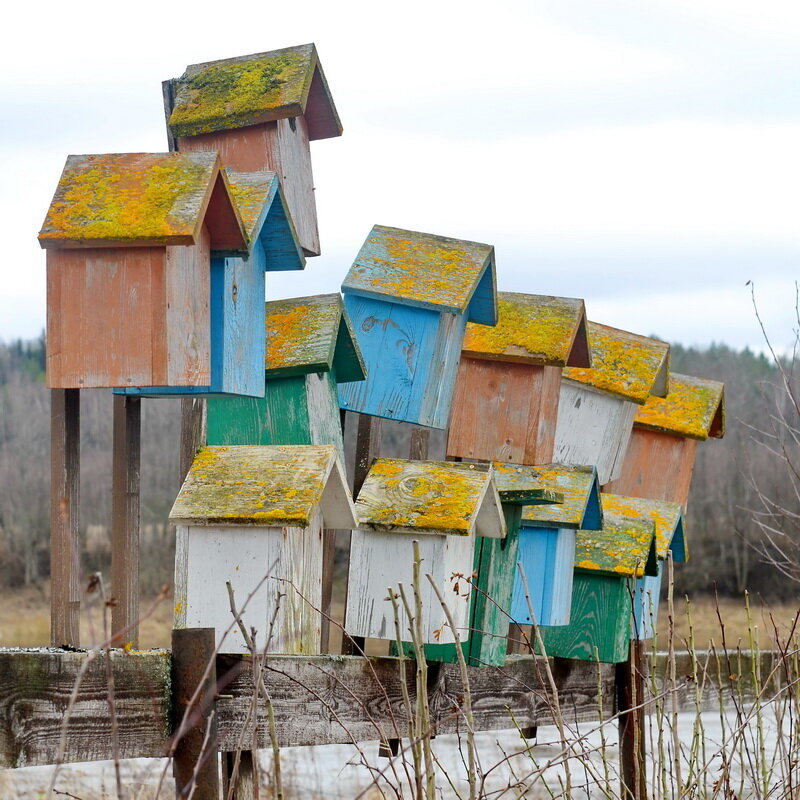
x: 410, y: 296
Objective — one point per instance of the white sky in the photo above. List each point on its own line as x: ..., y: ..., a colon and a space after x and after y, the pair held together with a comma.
x: 641, y: 155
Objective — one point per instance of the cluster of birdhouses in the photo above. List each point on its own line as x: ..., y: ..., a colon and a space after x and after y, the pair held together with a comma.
x: 156, y: 268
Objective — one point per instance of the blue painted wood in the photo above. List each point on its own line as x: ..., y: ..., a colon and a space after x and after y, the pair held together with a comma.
x: 278, y: 239
x: 593, y: 515
x: 405, y: 359
x: 645, y: 607
x: 563, y: 573
x: 483, y: 305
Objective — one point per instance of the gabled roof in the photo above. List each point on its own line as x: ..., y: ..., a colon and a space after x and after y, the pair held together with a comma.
x: 259, y: 199
x: 427, y: 271
x: 247, y: 90
x: 694, y: 407
x: 624, y: 364
x: 312, y: 334
x: 577, y: 485
x: 142, y: 199
x: 534, y: 329
x: 265, y: 485
x: 519, y: 490
x: 441, y: 497
x: 623, y: 546
x: 667, y: 517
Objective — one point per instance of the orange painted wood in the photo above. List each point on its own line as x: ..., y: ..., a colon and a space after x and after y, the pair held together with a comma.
x: 282, y: 147
x: 657, y: 466
x: 504, y: 411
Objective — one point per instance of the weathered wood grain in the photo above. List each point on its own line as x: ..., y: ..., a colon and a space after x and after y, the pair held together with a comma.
x: 65, y: 517
x: 125, y: 519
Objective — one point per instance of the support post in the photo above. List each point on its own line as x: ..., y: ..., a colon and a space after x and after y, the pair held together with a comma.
x: 125, y: 519
x: 630, y: 697
x: 193, y: 434
x: 195, y: 761
x: 246, y: 785
x: 65, y: 460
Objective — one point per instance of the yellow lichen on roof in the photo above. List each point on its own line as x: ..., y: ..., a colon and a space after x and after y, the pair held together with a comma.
x: 623, y: 546
x: 431, y: 497
x: 532, y: 328
x: 233, y: 93
x: 690, y: 409
x: 418, y: 268
x: 131, y: 197
x: 254, y: 485
x: 574, y: 483
x: 250, y: 192
x: 623, y: 364
x: 665, y: 515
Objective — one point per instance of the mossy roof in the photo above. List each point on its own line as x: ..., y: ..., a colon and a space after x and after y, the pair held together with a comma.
x: 264, y: 485
x: 440, y: 497
x: 312, y: 334
x: 667, y: 517
x: 694, y: 407
x: 419, y: 269
x: 142, y: 199
x: 624, y: 546
x: 261, y: 204
x: 533, y: 328
x: 577, y: 487
x: 519, y: 490
x: 248, y: 90
x: 624, y: 364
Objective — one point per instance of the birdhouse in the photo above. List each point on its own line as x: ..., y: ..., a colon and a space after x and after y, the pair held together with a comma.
x: 410, y: 296
x: 607, y: 564
x: 663, y: 446
x: 260, y: 112
x: 254, y: 516
x: 505, y: 405
x: 494, y: 567
x: 444, y: 507
x: 670, y: 537
x: 237, y: 291
x: 597, y: 404
x: 547, y: 538
x: 129, y: 240
x: 309, y: 349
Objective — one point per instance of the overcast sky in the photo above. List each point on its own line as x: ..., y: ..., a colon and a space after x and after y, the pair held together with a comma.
x: 641, y: 154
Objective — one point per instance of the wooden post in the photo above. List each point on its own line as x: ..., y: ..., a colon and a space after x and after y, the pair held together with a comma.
x: 195, y: 763
x: 246, y: 786
x: 65, y: 463
x: 420, y: 441
x: 125, y: 519
x: 630, y: 697
x: 168, y: 93
x: 192, y: 431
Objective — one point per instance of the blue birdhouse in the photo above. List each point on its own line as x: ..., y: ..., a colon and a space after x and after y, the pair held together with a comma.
x: 410, y: 296
x: 547, y: 537
x: 237, y: 291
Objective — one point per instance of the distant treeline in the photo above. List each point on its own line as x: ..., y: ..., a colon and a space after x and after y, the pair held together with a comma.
x: 744, y: 494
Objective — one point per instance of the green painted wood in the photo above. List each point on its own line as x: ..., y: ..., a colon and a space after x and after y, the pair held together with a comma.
x: 601, y: 616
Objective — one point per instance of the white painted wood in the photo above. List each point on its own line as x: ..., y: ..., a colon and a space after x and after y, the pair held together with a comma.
x: 627, y: 416
x: 562, y: 589
x: 593, y: 428
x: 382, y: 560
x: 338, y: 510
x: 264, y: 562
x: 181, y: 573
x: 323, y: 411
x: 490, y: 521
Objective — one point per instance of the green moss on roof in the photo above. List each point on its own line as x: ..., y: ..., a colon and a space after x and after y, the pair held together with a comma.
x: 419, y: 269
x: 252, y: 193
x: 694, y: 407
x: 233, y: 93
x: 254, y: 485
x: 623, y: 364
x: 139, y: 198
x: 665, y: 515
x: 623, y: 546
x: 530, y: 328
x: 423, y: 496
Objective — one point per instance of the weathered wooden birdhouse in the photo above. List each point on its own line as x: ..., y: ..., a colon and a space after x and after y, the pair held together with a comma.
x: 410, y: 296
x: 310, y: 348
x: 129, y: 240
x: 260, y: 112
x: 670, y: 538
x: 663, y: 446
x: 254, y: 516
x: 547, y: 538
x: 597, y: 405
x: 494, y: 567
x: 505, y: 405
x: 607, y: 564
x: 237, y: 290
x: 443, y: 506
